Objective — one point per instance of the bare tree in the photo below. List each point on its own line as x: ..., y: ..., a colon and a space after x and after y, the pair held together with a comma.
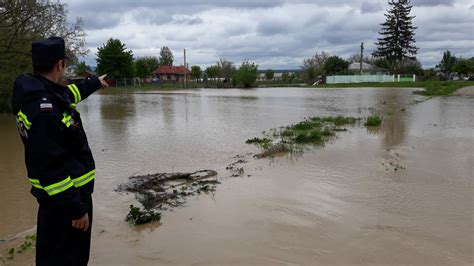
x: 314, y: 66
x: 226, y: 69
x: 356, y: 58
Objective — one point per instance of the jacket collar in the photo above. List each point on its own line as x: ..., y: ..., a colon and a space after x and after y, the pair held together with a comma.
x: 56, y: 89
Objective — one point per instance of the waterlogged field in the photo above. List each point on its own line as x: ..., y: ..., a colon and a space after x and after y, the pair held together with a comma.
x: 398, y: 191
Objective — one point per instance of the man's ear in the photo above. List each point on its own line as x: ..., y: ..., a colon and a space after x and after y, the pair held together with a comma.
x: 59, y: 65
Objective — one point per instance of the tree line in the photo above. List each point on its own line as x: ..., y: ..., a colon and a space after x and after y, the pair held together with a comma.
x: 117, y: 62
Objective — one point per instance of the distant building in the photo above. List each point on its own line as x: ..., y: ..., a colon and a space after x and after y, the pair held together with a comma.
x: 84, y: 74
x: 277, y: 76
x: 367, y: 69
x: 171, y: 74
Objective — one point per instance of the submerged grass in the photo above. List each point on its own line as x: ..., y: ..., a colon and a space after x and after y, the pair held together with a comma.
x: 312, y: 136
x: 373, y: 121
x: 28, y: 244
x: 430, y: 88
x: 263, y: 142
x: 444, y: 88
x: 136, y: 216
x: 305, y: 125
x: 314, y: 130
x: 336, y: 120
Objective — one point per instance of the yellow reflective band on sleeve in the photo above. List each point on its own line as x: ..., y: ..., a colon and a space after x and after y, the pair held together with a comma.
x: 75, y: 91
x: 59, y: 187
x: 22, y: 118
x: 84, y: 179
x: 66, y: 119
x: 36, y: 183
x: 71, y: 88
x: 79, y: 98
x: 55, y: 188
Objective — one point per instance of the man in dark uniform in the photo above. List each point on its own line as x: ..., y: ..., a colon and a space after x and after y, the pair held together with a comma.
x: 58, y: 159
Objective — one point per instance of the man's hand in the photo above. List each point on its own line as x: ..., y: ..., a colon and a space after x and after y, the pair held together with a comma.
x: 103, y: 82
x: 82, y: 223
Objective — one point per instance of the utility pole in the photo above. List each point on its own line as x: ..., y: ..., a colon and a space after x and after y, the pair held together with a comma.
x: 185, y: 71
x: 361, y: 58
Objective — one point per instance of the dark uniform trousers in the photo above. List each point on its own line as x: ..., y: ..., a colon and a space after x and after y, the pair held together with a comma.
x: 57, y: 242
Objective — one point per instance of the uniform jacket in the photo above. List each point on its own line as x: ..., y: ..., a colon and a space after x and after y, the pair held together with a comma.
x: 58, y: 159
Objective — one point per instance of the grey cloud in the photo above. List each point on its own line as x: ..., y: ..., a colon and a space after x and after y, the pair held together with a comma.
x: 370, y: 7
x: 91, y: 21
x: 188, y: 20
x: 275, y: 34
x: 176, y: 5
x: 273, y: 27
x: 433, y: 2
x: 151, y: 16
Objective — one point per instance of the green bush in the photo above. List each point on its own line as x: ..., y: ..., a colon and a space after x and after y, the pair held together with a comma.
x: 247, y: 74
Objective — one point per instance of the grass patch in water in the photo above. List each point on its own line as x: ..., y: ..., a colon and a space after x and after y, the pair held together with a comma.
x: 373, y: 121
x: 136, y: 216
x: 312, y: 136
x: 430, y: 88
x: 262, y: 142
x: 443, y: 88
x: 327, y: 132
x: 305, y: 125
x: 28, y: 244
x: 336, y: 120
x: 314, y: 130
x: 286, y: 133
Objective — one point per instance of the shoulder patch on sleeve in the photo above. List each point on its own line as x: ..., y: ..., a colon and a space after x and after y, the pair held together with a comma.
x: 45, y: 105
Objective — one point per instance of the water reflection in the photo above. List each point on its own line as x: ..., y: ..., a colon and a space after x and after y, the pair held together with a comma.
x: 293, y: 209
x: 392, y: 107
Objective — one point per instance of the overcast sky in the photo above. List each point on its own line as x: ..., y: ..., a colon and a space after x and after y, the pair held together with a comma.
x: 276, y: 34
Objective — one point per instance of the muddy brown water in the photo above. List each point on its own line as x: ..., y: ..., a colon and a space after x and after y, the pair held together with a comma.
x: 340, y: 204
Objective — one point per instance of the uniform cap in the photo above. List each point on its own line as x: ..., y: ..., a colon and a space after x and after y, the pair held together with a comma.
x: 48, y: 51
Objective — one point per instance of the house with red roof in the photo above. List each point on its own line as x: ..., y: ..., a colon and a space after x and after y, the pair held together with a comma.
x: 171, y: 73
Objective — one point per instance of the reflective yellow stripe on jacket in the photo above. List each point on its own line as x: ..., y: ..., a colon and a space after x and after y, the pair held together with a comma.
x: 23, y: 118
x: 84, y: 179
x: 66, y: 119
x: 63, y: 185
x: 55, y: 188
x: 75, y: 91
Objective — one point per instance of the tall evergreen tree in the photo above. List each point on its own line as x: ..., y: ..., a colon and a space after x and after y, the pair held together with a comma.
x: 397, y: 41
x: 114, y: 60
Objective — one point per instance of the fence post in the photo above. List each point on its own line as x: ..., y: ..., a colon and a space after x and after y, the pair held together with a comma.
x: 414, y: 77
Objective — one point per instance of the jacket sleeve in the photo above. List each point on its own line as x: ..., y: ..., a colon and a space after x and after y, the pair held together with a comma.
x: 48, y: 159
x: 81, y: 90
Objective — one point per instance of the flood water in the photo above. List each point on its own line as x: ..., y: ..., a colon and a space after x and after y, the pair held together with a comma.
x: 340, y: 204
